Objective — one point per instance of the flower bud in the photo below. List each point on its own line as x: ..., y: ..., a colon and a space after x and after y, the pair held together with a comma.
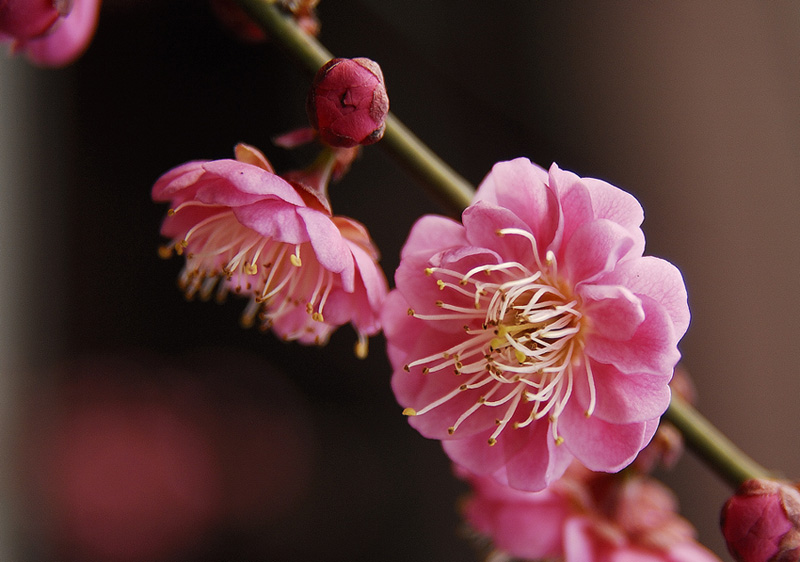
x: 26, y: 19
x: 348, y: 103
x: 761, y: 523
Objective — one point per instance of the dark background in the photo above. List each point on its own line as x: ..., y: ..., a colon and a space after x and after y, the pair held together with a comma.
x: 691, y: 106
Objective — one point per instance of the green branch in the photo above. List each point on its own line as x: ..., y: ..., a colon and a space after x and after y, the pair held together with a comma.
x: 449, y: 188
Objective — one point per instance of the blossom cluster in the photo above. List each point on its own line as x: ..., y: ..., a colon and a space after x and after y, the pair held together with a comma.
x: 533, y: 337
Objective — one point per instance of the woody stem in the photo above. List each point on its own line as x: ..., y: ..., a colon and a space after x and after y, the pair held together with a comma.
x: 455, y: 193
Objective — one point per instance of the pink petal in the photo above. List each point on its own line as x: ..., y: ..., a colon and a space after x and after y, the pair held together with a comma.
x: 522, y: 187
x: 690, y: 551
x: 69, y: 39
x: 372, y: 276
x: 652, y: 349
x: 252, y: 179
x: 177, y: 179
x: 431, y: 234
x: 399, y: 328
x: 483, y: 221
x: 594, y: 249
x: 659, y: 280
x: 579, y: 541
x: 614, y: 310
x: 421, y: 290
x: 623, y: 398
x: 523, y: 524
x: 597, y: 444
x: 612, y: 203
x: 330, y: 248
x: 274, y: 219
x: 531, y: 458
x: 527, y: 471
x: 575, y: 202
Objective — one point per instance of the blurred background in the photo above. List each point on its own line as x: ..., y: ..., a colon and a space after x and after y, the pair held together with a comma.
x: 137, y: 426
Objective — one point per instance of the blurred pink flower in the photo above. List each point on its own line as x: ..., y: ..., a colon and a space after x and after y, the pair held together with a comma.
x: 244, y: 229
x: 535, y: 332
x: 761, y: 522
x: 584, y: 517
x: 51, y: 33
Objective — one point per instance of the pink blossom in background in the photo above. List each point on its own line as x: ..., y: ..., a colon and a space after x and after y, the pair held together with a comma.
x: 584, y: 517
x: 244, y: 229
x: 535, y: 332
x: 50, y: 33
x: 761, y: 522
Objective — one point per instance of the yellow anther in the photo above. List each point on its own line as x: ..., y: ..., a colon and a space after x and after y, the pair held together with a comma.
x: 411, y: 312
x: 362, y: 348
x: 409, y: 412
x: 440, y: 284
x: 559, y: 440
x: 428, y: 271
x: 170, y: 212
x: 317, y: 317
x: 520, y: 356
x: 451, y: 430
x: 295, y: 259
x: 251, y: 269
x: 492, y: 441
x: 164, y: 252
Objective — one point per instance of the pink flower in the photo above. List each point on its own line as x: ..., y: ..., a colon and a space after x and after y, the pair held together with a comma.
x: 584, y: 517
x: 761, y: 523
x: 244, y: 229
x: 348, y: 103
x: 535, y: 332
x: 51, y: 33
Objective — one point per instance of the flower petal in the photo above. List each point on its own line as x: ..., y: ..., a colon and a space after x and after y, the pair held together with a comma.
x: 483, y: 221
x: 613, y: 310
x: 652, y: 349
x: 274, y: 219
x: 330, y: 248
x: 250, y: 179
x: 431, y: 234
x: 594, y: 249
x: 659, y: 280
x: 597, y: 444
x: 623, y: 398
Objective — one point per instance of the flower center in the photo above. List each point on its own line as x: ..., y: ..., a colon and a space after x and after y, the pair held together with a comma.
x: 222, y: 253
x: 523, y: 340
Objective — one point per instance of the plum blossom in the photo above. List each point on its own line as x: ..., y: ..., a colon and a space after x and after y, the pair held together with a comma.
x: 50, y: 33
x: 274, y: 240
x: 761, y: 522
x: 584, y: 517
x: 535, y: 331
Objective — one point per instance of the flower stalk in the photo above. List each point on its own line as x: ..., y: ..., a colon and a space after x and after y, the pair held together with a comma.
x: 708, y: 443
x: 455, y: 193
x: 443, y: 183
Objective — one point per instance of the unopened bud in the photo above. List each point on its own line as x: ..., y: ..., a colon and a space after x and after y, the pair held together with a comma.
x: 26, y: 19
x: 761, y: 522
x: 348, y: 103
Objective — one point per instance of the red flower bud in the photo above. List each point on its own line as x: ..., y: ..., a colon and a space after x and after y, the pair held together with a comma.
x: 348, y: 102
x: 761, y: 523
x: 26, y: 19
